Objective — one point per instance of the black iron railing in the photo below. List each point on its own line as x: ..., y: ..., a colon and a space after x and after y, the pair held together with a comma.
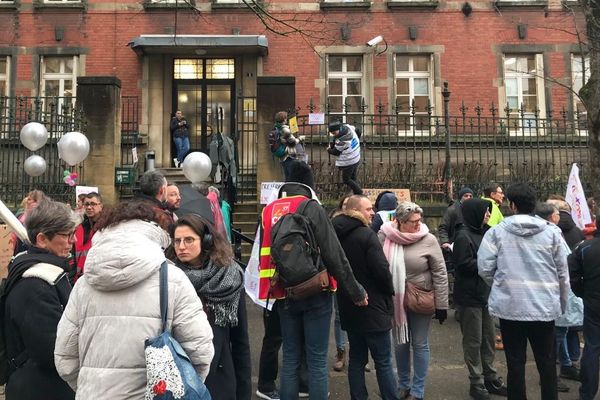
x: 407, y: 149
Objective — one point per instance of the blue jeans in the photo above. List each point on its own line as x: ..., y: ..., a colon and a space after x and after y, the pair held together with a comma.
x: 562, y: 349
x: 573, y: 343
x: 419, y: 327
x: 182, y: 146
x: 341, y: 338
x: 590, y: 364
x: 305, y: 321
x: 379, y: 343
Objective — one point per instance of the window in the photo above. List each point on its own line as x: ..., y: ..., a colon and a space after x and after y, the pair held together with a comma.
x: 413, y: 92
x: 524, y: 91
x: 345, y: 86
x: 61, y: 1
x: 198, y: 68
x: 580, y: 70
x: 4, y: 75
x: 59, y: 78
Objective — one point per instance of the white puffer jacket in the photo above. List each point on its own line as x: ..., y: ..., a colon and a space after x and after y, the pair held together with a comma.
x: 114, y: 307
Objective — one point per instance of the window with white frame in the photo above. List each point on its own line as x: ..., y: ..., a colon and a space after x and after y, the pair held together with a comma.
x: 580, y: 73
x: 414, y: 87
x: 345, y: 85
x: 61, y: 1
x: 4, y: 75
x: 59, y: 79
x: 524, y: 89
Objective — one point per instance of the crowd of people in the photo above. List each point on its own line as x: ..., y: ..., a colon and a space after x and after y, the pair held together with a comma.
x: 81, y: 295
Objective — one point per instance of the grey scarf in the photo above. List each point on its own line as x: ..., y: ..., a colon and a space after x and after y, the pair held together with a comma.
x: 220, y: 289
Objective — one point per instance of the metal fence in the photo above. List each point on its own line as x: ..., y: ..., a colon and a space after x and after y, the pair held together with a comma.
x: 431, y: 154
x: 59, y: 115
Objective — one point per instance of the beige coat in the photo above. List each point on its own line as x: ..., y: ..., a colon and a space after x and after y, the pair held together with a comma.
x: 114, y: 307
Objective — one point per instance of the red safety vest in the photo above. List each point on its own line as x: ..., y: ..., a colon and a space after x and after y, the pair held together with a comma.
x: 270, y: 215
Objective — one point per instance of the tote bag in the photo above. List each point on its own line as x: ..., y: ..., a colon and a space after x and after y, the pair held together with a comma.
x: 169, y: 370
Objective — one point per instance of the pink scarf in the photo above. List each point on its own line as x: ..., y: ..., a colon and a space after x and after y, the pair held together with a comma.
x: 393, y: 247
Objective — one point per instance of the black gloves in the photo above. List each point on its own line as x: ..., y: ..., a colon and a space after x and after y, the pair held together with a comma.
x: 441, y: 315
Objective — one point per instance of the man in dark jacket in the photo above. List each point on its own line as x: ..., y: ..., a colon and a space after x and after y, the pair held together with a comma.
x: 368, y: 327
x: 453, y: 217
x: 584, y: 269
x: 572, y: 234
x: 470, y: 296
x: 181, y: 137
x: 36, y: 291
x: 386, y: 210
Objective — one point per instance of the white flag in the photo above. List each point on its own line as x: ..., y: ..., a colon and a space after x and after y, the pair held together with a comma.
x: 576, y: 199
x: 134, y: 154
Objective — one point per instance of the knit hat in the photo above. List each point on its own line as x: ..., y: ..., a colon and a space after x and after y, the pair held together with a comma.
x: 334, y: 126
x: 464, y: 191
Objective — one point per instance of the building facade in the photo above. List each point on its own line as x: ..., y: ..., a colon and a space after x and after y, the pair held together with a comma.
x: 230, y: 64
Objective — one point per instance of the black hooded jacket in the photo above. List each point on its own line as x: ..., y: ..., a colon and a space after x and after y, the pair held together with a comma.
x: 372, y: 271
x: 572, y: 234
x: 469, y: 289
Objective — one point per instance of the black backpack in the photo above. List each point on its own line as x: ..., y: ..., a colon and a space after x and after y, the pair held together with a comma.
x: 277, y: 148
x: 294, y: 249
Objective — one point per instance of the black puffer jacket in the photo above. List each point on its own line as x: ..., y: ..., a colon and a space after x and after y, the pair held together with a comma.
x: 371, y: 270
x: 469, y: 289
x: 452, y: 218
x: 572, y: 234
x: 584, y: 271
x: 32, y: 310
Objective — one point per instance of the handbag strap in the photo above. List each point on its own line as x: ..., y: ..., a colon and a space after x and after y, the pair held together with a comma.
x: 164, y: 295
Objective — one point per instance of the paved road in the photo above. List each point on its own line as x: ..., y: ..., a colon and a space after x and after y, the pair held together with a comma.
x: 447, y: 379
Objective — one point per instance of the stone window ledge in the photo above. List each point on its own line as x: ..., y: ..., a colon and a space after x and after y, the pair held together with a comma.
x: 345, y: 5
x: 521, y: 3
x: 412, y: 4
x: 8, y: 5
x: 155, y: 5
x: 72, y: 5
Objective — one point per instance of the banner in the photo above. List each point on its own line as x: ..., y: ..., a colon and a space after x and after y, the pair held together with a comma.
x: 576, y: 199
x: 269, y: 191
x: 252, y: 273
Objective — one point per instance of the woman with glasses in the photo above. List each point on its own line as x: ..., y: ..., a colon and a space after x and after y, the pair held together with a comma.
x: 414, y: 256
x: 37, y: 290
x: 206, y: 258
x: 115, y: 307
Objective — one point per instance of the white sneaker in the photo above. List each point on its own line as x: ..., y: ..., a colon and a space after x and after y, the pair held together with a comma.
x: 176, y: 162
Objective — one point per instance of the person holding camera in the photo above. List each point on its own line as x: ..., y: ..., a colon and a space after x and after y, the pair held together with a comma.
x: 181, y: 137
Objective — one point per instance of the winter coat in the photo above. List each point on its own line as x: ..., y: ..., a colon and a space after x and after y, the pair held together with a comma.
x: 572, y: 234
x: 524, y: 259
x: 425, y: 267
x: 584, y: 268
x: 83, y: 243
x: 229, y: 377
x: 452, y: 218
x: 469, y: 289
x: 33, y: 308
x: 179, y: 130
x: 114, y: 308
x: 346, y: 147
x: 371, y: 269
x: 386, y: 210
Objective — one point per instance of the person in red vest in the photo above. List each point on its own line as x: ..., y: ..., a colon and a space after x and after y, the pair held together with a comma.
x: 305, y: 322
x: 92, y: 205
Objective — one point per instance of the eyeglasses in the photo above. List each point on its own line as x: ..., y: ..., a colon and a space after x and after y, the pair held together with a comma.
x: 187, y: 241
x: 68, y: 236
x: 92, y: 204
x: 414, y: 222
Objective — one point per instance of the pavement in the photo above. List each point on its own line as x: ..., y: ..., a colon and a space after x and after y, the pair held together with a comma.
x: 447, y: 378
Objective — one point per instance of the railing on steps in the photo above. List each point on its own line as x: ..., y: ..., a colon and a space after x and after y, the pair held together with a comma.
x: 237, y: 238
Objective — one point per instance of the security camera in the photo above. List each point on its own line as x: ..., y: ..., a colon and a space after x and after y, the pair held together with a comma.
x: 375, y: 41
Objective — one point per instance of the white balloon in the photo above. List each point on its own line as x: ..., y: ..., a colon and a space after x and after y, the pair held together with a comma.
x: 35, y: 165
x: 34, y: 136
x: 196, y: 167
x: 73, y: 147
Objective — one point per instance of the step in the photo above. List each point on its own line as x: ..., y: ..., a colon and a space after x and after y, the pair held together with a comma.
x: 248, y: 228
x: 241, y: 216
x: 246, y: 207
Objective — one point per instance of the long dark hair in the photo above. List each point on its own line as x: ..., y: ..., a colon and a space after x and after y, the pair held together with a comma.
x: 131, y: 210
x: 219, y: 252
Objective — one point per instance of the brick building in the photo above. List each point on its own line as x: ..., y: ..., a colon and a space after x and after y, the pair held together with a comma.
x: 212, y: 58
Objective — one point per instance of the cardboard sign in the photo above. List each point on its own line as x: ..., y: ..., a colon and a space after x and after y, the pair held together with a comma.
x: 84, y: 190
x: 293, y: 125
x: 6, y: 249
x: 269, y: 191
x: 401, y: 194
